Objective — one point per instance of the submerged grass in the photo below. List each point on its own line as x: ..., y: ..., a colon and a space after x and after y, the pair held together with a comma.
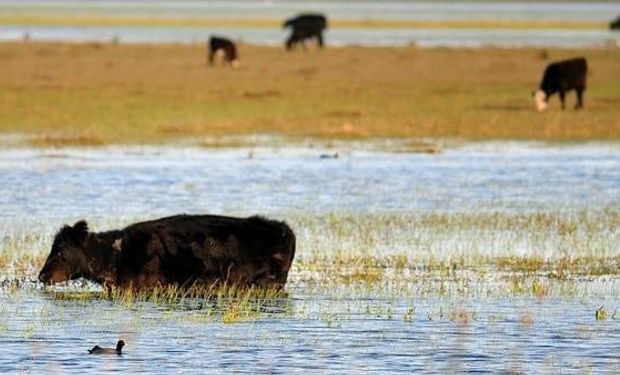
x: 98, y: 93
x: 386, y: 256
x: 226, y: 303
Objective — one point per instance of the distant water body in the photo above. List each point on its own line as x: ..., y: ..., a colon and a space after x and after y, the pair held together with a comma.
x: 601, y: 12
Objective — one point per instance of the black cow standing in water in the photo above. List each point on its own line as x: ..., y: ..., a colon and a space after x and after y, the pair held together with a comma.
x: 179, y: 250
x: 562, y: 77
x: 305, y: 26
x: 224, y: 47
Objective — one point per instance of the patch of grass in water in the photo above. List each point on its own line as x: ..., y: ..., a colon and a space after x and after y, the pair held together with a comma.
x: 392, y: 255
x: 601, y: 313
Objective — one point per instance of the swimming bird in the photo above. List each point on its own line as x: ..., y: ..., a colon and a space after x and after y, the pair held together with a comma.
x: 99, y: 350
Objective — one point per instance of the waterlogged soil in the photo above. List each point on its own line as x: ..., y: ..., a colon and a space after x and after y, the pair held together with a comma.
x: 367, y: 318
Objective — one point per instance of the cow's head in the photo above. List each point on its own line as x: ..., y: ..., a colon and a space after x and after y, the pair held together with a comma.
x: 540, y: 100
x: 68, y: 259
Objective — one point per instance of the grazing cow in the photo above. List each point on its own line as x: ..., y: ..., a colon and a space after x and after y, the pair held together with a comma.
x: 178, y: 250
x: 305, y: 26
x: 562, y: 77
x: 615, y: 24
x: 225, y: 47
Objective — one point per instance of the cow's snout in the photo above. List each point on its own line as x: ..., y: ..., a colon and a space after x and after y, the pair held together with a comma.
x: 43, y: 277
x: 540, y: 100
x: 53, y: 276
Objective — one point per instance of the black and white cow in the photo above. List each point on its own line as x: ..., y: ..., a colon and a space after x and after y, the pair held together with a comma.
x: 562, y: 77
x: 225, y: 47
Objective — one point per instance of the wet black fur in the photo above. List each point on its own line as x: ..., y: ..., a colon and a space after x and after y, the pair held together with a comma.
x: 179, y: 250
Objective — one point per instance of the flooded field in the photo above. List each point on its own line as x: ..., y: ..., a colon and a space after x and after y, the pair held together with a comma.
x: 516, y: 177
x: 491, y: 257
x: 337, y: 37
x: 543, y: 14
x: 389, y: 9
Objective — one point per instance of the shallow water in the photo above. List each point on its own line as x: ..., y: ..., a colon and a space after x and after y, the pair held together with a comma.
x: 364, y: 10
x: 337, y: 37
x: 400, y: 325
x: 506, y: 335
x: 121, y: 181
x: 388, y: 9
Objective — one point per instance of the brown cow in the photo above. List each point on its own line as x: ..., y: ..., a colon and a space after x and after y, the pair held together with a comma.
x: 179, y: 250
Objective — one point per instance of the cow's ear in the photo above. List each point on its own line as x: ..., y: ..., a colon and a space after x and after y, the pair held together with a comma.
x: 79, y: 231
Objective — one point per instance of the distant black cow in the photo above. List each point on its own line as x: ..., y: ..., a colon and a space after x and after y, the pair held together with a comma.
x: 562, y: 77
x: 305, y: 26
x: 225, y: 47
x: 179, y: 250
x: 615, y: 24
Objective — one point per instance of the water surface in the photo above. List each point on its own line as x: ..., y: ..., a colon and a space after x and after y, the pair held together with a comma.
x: 122, y: 181
x: 417, y: 322
x: 601, y: 12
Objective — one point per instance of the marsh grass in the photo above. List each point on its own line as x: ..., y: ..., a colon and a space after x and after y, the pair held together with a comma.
x: 464, y: 255
x: 98, y: 93
x: 226, y: 303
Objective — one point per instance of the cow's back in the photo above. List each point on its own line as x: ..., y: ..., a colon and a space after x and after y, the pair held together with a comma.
x: 567, y: 74
x: 307, y: 21
x: 218, y: 42
x: 210, y: 247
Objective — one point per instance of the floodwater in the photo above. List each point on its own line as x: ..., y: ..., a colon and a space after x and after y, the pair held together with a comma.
x: 121, y: 181
x: 562, y: 338
x: 601, y: 12
x: 392, y: 328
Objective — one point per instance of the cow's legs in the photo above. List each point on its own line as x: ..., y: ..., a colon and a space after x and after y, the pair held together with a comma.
x: 562, y: 97
x: 320, y: 39
x: 290, y: 41
x: 579, y: 103
x: 228, y: 56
